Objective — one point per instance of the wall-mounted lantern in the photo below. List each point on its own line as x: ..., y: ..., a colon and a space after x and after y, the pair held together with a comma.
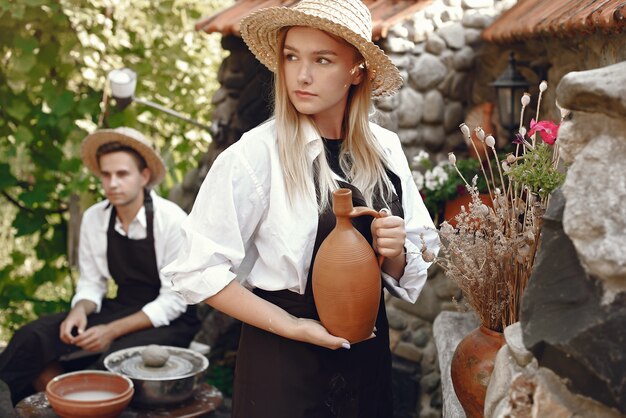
x: 510, y: 86
x: 123, y: 83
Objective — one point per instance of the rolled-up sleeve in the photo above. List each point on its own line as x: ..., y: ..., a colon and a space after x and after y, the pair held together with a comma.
x: 230, y: 204
x: 417, y: 222
x: 91, y: 286
x: 169, y: 305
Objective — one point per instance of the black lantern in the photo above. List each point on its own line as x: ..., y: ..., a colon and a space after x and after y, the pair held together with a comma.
x: 510, y: 87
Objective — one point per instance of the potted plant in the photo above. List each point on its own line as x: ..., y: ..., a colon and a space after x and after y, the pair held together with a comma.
x: 491, y: 251
x: 441, y: 187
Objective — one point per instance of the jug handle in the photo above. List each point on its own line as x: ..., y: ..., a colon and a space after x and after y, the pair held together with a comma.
x: 363, y: 210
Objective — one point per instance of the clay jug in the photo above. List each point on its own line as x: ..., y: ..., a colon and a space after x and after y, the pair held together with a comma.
x: 471, y: 367
x: 346, y: 275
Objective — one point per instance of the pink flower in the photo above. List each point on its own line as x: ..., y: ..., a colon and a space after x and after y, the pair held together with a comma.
x: 546, y: 128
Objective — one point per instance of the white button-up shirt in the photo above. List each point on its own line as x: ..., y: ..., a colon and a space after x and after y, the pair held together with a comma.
x: 92, y: 250
x: 243, y: 227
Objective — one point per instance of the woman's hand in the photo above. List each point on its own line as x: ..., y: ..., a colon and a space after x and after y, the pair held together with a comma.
x: 313, y: 332
x: 389, y: 236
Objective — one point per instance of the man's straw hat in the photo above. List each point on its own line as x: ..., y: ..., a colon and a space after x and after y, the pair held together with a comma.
x: 348, y: 19
x: 130, y: 138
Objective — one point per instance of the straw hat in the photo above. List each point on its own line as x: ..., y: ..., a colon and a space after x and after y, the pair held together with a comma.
x: 130, y: 138
x: 348, y: 19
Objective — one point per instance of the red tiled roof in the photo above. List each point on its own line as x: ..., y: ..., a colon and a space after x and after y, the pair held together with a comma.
x: 385, y: 13
x: 557, y: 18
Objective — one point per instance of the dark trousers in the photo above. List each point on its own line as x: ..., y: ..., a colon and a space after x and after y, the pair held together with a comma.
x: 37, y: 345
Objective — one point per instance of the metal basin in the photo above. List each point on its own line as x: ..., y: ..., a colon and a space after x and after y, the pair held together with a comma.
x: 173, y: 383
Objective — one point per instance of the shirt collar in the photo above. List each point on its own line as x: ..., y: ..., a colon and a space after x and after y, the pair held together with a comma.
x: 140, y: 217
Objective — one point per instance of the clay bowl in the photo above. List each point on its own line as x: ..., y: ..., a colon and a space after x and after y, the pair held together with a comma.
x: 157, y: 387
x: 89, y: 394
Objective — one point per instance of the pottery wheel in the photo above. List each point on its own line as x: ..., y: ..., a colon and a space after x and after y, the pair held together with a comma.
x: 175, y: 366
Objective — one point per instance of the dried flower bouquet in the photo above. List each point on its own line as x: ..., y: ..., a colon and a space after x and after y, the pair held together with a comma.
x: 491, y: 252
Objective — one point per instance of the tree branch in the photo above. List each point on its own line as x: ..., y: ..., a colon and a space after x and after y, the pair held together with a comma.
x: 20, y: 206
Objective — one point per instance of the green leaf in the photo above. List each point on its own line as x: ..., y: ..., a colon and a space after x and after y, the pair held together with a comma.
x: 6, y: 177
x: 23, y: 134
x: 18, y: 109
x: 23, y: 63
x: 56, y: 246
x: 71, y: 165
x: 62, y: 104
x: 25, y: 44
x: 48, y: 53
x: 44, y: 275
x: 27, y: 223
x: 17, y: 10
x: 18, y: 258
x: 47, y: 155
x: 44, y: 307
x: 34, y: 197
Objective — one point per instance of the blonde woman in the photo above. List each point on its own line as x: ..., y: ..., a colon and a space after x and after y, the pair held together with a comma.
x: 263, y: 211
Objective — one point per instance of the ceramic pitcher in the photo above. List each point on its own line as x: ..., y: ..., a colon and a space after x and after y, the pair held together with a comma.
x: 346, y: 275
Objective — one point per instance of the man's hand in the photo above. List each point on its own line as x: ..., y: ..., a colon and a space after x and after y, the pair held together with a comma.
x: 95, y: 339
x: 76, y: 320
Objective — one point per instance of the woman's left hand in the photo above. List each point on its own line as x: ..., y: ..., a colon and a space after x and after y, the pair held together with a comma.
x: 389, y: 235
x: 313, y: 332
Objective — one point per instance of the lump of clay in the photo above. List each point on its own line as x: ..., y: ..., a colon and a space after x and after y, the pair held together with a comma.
x: 154, y: 355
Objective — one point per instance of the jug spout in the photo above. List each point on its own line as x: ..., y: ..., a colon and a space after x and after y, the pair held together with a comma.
x: 342, y: 202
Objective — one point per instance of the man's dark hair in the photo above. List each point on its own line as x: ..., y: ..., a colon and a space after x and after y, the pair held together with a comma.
x: 111, y: 147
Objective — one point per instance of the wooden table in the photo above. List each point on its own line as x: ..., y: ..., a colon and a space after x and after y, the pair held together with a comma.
x: 204, y: 401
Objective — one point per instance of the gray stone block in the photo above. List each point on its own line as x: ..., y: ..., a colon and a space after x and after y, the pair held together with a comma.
x: 449, y: 328
x: 566, y: 325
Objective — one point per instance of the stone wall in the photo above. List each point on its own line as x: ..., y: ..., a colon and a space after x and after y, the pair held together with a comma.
x: 439, y: 53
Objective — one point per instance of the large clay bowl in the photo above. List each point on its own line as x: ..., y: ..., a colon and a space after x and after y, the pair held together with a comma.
x: 89, y: 394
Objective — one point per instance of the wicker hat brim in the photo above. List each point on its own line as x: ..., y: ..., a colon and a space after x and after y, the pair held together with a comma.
x: 92, y: 142
x: 259, y: 31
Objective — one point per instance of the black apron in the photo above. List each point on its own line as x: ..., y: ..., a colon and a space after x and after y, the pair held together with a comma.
x: 133, y: 267
x: 276, y: 377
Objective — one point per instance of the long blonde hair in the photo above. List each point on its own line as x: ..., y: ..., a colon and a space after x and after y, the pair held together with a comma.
x: 361, y: 157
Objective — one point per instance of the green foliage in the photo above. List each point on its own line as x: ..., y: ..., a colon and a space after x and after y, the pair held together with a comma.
x: 441, y: 183
x: 55, y: 56
x: 221, y: 376
x: 535, y: 169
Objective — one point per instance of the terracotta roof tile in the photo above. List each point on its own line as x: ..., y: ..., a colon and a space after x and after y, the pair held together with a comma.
x: 557, y: 18
x: 385, y: 13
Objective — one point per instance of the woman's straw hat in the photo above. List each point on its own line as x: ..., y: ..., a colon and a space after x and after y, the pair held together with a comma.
x: 130, y: 138
x: 348, y: 19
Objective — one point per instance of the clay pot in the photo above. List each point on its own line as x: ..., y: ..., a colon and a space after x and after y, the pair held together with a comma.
x: 346, y: 275
x: 471, y: 367
x: 480, y: 115
x: 453, y: 207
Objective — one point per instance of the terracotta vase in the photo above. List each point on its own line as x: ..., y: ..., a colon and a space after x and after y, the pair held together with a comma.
x: 346, y: 275
x: 453, y: 207
x: 471, y: 367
